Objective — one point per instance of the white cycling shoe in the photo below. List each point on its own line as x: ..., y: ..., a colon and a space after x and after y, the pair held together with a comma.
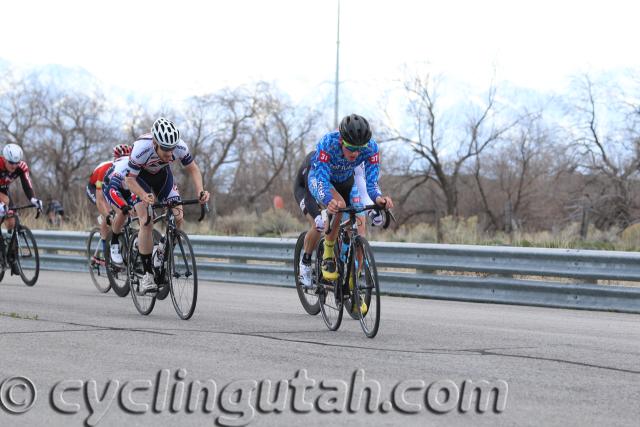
x: 305, y: 276
x: 148, y: 284
x: 116, y: 257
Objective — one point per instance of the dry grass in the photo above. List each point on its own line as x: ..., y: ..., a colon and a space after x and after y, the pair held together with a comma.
x: 466, y: 231
x: 281, y: 223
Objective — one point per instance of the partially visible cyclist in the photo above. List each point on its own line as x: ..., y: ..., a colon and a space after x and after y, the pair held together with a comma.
x: 331, y: 176
x: 95, y: 193
x: 55, y: 209
x: 149, y: 178
x: 311, y: 210
x: 12, y: 166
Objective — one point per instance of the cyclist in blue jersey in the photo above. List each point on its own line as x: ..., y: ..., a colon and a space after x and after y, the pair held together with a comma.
x: 311, y: 210
x: 331, y: 176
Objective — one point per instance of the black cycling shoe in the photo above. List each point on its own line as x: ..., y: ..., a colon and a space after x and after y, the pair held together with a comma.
x: 163, y: 286
x: 163, y: 291
x: 15, y: 270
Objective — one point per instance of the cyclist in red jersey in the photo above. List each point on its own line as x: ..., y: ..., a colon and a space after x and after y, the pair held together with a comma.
x: 13, y: 167
x: 94, y: 189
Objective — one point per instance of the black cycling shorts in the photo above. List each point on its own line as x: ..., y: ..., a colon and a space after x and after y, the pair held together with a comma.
x: 303, y: 196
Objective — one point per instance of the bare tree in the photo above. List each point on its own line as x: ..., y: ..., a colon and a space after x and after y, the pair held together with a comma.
x: 443, y: 145
x: 513, y: 172
x: 72, y: 135
x: 21, y: 109
x: 608, y: 151
x: 218, y: 124
x: 279, y: 132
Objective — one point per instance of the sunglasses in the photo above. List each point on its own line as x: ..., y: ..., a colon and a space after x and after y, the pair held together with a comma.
x: 353, y: 148
x: 166, y: 149
x: 13, y: 163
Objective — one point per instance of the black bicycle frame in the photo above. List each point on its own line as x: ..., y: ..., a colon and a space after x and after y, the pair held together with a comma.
x: 13, y: 241
x: 171, y: 227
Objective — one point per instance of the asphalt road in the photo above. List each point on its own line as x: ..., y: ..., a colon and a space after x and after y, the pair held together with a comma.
x: 93, y: 360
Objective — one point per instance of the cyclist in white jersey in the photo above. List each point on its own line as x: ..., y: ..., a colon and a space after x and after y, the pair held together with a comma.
x: 149, y: 177
x: 118, y: 195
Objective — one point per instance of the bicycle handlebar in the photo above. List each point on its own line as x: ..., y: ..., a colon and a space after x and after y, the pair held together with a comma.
x: 18, y: 208
x: 204, y: 208
x: 355, y: 210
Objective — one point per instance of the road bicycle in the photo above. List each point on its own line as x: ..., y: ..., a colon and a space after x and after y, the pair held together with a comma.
x: 105, y: 274
x: 19, y: 251
x: 357, y: 289
x: 175, y: 269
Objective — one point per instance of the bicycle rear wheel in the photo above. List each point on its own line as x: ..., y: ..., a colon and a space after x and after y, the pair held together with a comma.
x: 329, y: 295
x: 367, y: 289
x: 118, y: 275
x: 182, y: 275
x: 97, y: 261
x: 27, y: 256
x: 308, y: 297
x: 135, y: 270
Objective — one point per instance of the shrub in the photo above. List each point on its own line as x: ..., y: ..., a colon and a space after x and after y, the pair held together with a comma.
x: 277, y: 223
x: 239, y: 223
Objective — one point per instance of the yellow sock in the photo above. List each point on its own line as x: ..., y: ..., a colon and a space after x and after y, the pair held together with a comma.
x: 328, y: 249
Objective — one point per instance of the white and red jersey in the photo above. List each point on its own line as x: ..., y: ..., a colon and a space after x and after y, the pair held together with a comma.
x: 115, y: 188
x: 21, y: 171
x: 117, y: 173
x: 144, y: 157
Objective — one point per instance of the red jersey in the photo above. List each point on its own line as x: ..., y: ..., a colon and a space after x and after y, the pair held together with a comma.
x: 98, y: 174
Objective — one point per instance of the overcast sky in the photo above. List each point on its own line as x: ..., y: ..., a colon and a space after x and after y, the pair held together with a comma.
x: 178, y: 48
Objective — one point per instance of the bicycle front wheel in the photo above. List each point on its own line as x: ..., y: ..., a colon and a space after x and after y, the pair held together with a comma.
x: 367, y: 290
x: 308, y: 297
x: 182, y: 275
x: 329, y: 295
x: 27, y: 256
x: 97, y: 261
x: 135, y: 270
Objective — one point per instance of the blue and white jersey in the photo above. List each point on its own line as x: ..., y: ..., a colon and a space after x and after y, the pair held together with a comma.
x: 329, y: 165
x: 144, y: 157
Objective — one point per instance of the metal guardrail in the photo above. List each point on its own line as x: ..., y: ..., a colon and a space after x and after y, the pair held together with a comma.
x: 566, y: 278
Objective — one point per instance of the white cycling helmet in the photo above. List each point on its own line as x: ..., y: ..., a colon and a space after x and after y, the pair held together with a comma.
x: 12, y: 152
x: 165, y: 133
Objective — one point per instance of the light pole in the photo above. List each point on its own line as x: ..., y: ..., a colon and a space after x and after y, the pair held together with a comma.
x: 337, y: 88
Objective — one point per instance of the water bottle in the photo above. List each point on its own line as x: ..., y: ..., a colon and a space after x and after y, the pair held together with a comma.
x: 345, y: 249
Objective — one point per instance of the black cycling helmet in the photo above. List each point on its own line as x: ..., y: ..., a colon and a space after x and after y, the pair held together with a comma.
x: 355, y: 130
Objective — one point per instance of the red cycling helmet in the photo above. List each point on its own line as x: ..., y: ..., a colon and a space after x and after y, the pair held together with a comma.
x: 121, y: 150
